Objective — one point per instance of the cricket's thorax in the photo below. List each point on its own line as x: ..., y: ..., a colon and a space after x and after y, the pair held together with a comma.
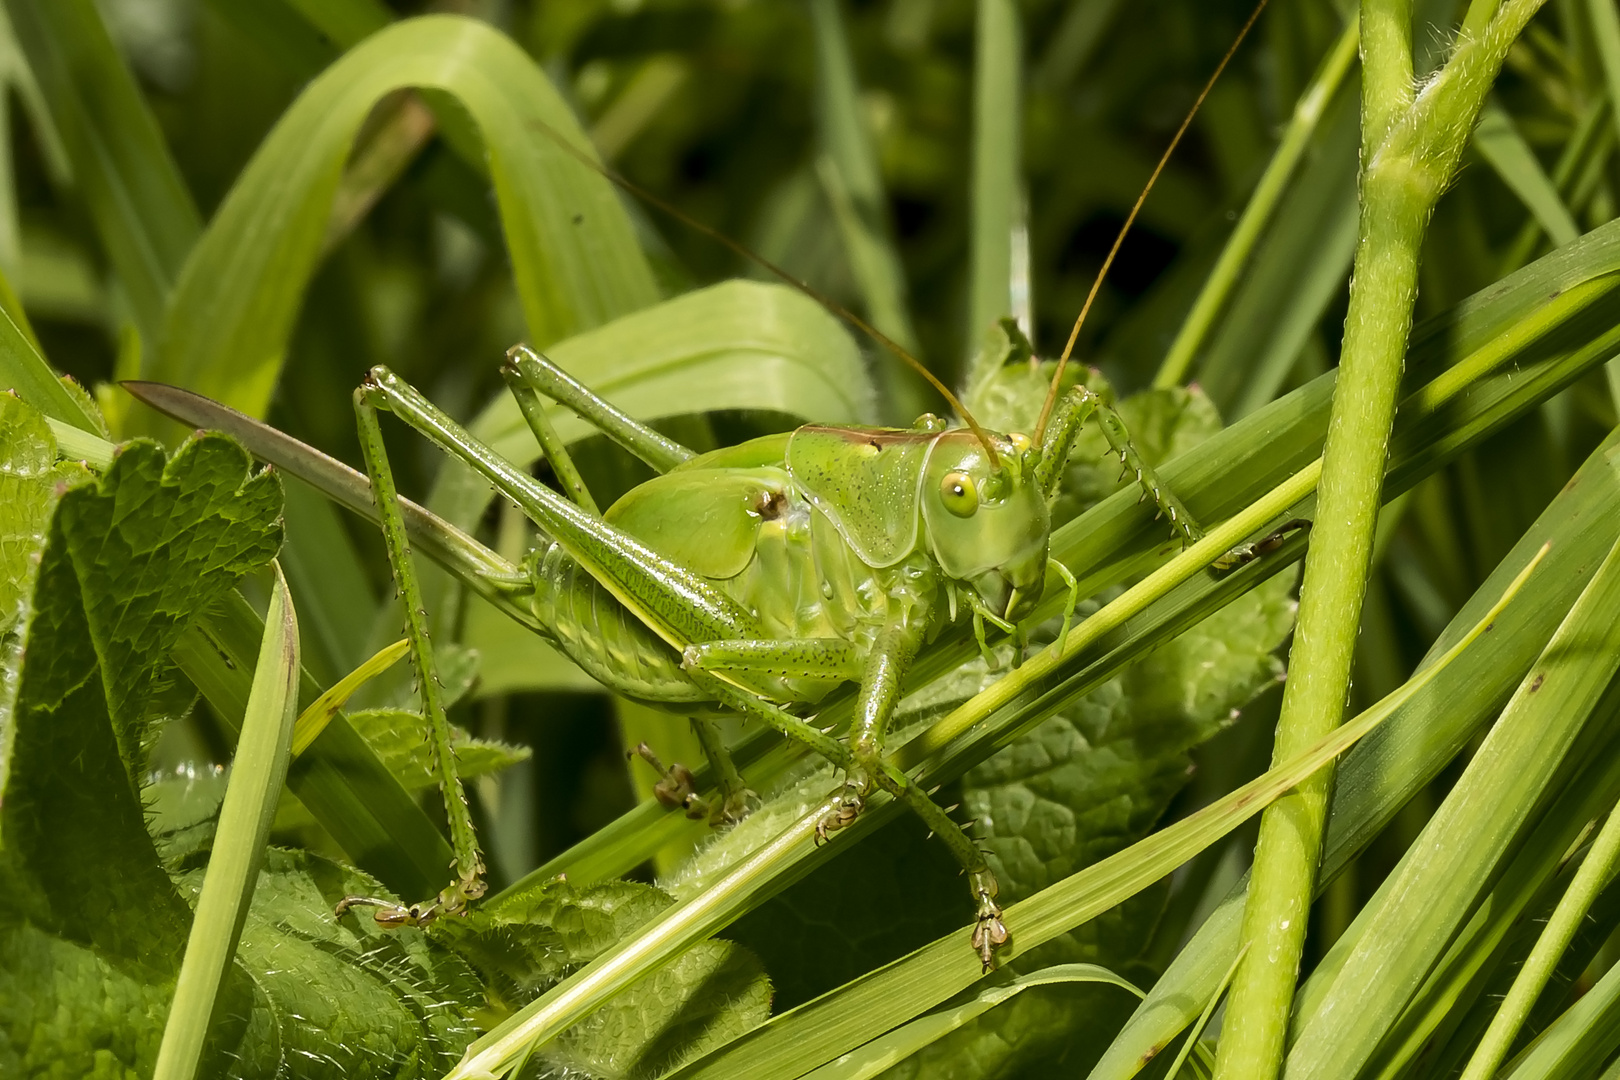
x: 756, y: 536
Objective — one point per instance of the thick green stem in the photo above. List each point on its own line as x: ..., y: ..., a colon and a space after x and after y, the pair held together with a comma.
x: 1411, y: 144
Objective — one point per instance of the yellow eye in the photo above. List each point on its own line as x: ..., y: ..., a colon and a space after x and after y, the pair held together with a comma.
x: 958, y: 494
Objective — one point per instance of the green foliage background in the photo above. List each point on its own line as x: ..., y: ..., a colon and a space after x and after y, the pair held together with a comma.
x: 260, y: 199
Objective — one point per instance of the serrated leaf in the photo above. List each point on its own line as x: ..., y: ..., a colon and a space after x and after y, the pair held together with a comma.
x: 398, y: 738
x: 128, y: 562
x: 29, y: 477
x: 342, y: 998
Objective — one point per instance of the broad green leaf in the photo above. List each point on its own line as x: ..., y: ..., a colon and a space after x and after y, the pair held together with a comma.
x: 93, y: 928
x: 342, y: 998
x: 529, y: 940
x: 258, y: 771
x: 573, y: 255
x: 143, y: 213
x: 29, y: 476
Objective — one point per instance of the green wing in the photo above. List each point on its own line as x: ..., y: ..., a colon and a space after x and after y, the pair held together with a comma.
x: 865, y: 481
x: 704, y: 519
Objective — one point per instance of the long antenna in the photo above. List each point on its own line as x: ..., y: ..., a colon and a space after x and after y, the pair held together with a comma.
x: 1096, y: 286
x: 803, y: 286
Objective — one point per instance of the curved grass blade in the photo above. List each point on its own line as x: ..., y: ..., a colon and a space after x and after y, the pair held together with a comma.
x: 573, y: 252
x: 901, y: 1043
x: 257, y: 773
x: 313, y: 720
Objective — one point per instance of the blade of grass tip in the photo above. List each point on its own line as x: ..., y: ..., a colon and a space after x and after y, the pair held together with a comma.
x: 1606, y: 37
x: 997, y: 123
x: 24, y: 369
x: 1499, y: 142
x: 891, y: 1049
x: 257, y: 774
x: 313, y: 720
x: 819, y: 1030
x: 1261, y: 207
x: 1203, y: 1018
x: 1411, y: 148
x: 1594, y: 873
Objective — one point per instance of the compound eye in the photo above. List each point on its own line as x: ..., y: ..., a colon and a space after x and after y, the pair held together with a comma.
x: 959, y: 494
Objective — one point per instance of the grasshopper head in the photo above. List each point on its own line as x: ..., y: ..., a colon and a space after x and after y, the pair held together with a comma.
x: 988, y: 527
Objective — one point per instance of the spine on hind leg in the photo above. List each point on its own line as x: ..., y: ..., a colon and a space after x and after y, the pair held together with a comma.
x: 605, y: 639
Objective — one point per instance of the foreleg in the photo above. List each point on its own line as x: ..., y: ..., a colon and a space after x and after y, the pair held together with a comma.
x: 1073, y: 409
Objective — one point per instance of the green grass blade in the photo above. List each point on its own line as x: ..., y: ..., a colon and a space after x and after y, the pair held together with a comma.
x: 1463, y: 843
x: 24, y: 370
x: 574, y: 256
x: 1499, y: 142
x: 901, y: 1043
x: 1379, y: 777
x: 1579, y: 1041
x: 997, y: 149
x: 1459, y: 997
x: 849, y: 173
x: 1262, y: 207
x: 132, y: 188
x: 257, y: 774
x: 848, y: 1016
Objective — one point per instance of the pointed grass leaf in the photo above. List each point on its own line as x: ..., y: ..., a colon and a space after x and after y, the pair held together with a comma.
x: 258, y: 771
x: 25, y: 372
x: 574, y: 257
x: 879, y: 1054
x: 1396, y: 761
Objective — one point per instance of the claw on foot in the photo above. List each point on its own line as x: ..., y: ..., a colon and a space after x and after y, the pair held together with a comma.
x: 677, y: 787
x: 395, y: 916
x: 842, y: 816
x: 988, y: 929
